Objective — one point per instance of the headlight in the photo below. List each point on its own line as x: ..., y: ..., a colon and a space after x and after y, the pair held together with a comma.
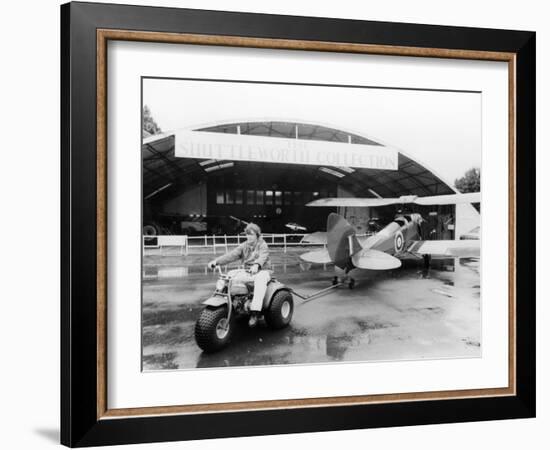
x: 220, y: 284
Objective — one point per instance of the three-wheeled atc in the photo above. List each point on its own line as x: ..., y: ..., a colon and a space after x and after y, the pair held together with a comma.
x: 230, y: 301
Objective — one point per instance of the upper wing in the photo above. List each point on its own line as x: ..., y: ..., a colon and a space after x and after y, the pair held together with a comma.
x: 446, y: 249
x: 451, y: 199
x: 353, y: 202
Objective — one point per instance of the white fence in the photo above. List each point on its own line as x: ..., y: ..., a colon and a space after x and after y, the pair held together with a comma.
x: 188, y: 244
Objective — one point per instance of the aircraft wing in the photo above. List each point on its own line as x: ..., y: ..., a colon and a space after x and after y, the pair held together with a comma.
x: 451, y: 199
x: 352, y: 202
x: 319, y: 237
x: 446, y: 249
x: 374, y: 260
x: 317, y: 256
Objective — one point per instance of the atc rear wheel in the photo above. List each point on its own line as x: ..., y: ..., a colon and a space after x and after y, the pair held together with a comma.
x: 280, y: 311
x: 213, y: 330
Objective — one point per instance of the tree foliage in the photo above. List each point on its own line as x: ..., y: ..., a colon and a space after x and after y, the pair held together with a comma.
x: 149, y: 124
x: 470, y: 182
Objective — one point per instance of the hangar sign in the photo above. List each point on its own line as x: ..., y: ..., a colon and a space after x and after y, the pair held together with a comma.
x: 239, y: 147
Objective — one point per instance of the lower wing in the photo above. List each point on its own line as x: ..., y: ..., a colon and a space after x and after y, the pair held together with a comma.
x: 374, y: 260
x: 319, y: 237
x: 446, y: 249
x: 317, y: 256
x: 363, y: 259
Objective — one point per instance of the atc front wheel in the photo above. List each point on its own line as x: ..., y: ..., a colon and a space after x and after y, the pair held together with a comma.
x: 280, y: 311
x: 213, y: 330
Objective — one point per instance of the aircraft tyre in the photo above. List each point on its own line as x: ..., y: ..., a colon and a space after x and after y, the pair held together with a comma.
x: 351, y: 284
x: 212, y: 330
x: 280, y: 311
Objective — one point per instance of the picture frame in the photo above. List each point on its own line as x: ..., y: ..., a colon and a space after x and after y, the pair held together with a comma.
x: 86, y: 418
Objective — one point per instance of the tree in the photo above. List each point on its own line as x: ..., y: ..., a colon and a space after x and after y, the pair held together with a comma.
x: 149, y: 124
x: 470, y: 182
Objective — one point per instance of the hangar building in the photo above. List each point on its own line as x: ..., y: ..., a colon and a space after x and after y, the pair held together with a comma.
x: 194, y: 196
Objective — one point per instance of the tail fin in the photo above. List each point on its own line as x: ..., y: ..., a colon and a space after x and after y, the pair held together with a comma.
x: 341, y: 240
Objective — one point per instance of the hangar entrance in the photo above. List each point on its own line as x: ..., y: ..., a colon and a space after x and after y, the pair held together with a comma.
x: 271, y: 195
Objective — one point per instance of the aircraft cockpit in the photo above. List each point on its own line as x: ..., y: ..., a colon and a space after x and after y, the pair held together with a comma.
x: 402, y: 219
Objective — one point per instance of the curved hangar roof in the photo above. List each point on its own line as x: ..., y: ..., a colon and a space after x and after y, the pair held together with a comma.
x: 162, y: 170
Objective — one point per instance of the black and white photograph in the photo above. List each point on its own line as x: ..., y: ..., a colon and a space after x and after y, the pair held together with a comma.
x: 275, y: 225
x: 291, y: 223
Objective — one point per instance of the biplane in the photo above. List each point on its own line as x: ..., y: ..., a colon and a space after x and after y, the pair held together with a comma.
x: 384, y: 250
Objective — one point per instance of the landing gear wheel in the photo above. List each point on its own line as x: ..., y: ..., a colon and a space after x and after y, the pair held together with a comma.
x: 335, y: 281
x: 351, y: 283
x: 213, y: 330
x: 280, y: 311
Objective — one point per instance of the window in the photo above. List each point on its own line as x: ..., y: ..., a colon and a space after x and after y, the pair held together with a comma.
x: 220, y: 198
x: 332, y: 172
x: 249, y: 197
x: 268, y: 197
x: 259, y: 197
x: 298, y: 198
x: 288, y: 198
x: 238, y: 197
x: 218, y: 166
x: 278, y: 198
x: 229, y: 197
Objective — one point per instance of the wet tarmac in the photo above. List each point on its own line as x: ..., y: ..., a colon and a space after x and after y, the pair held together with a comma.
x: 408, y: 313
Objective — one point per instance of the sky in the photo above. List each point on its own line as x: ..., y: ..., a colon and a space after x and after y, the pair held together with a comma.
x: 441, y: 130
